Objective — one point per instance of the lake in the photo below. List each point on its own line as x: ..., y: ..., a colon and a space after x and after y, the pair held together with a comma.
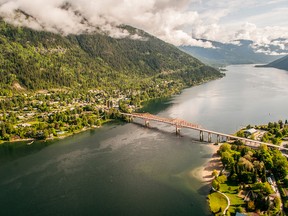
x: 127, y: 169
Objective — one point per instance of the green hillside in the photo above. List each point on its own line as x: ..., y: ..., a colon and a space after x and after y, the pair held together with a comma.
x: 33, y: 60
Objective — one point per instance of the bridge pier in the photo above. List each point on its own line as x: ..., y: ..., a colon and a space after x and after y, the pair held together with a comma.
x: 147, y: 123
x: 218, y: 138
x: 177, y: 130
x: 209, y: 137
x: 201, y: 136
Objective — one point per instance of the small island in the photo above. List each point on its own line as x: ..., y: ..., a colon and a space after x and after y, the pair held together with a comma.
x: 253, y: 179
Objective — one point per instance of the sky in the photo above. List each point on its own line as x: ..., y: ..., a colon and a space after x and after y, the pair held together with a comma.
x: 179, y: 22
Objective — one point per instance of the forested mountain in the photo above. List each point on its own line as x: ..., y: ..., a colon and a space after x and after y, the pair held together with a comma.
x: 240, y: 52
x: 281, y: 63
x: 35, y: 60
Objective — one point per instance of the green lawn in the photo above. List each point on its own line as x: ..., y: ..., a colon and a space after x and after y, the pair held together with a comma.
x: 230, y: 190
x: 33, y: 122
x: 217, y: 202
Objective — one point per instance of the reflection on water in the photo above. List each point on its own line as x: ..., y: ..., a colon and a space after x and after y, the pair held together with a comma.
x: 13, y: 151
x: 247, y: 95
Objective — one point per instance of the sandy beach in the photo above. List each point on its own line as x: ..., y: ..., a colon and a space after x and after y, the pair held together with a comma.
x: 204, y: 173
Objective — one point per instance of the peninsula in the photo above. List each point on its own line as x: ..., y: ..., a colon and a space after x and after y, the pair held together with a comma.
x: 251, y: 179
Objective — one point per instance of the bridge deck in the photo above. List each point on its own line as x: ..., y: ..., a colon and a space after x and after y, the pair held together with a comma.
x: 184, y: 124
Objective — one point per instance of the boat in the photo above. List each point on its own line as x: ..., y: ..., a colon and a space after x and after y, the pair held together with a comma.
x: 30, y: 142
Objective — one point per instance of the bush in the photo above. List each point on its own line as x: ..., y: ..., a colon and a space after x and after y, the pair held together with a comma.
x: 215, y: 173
x: 215, y: 184
x: 251, y: 206
x: 234, y: 177
x: 285, y: 181
x: 239, y: 209
x: 281, y: 191
x: 286, y: 205
x: 221, y: 179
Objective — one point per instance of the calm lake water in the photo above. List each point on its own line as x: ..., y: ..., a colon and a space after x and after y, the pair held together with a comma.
x: 126, y: 169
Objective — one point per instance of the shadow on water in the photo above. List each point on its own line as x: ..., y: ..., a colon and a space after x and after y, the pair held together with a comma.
x: 11, y: 151
x: 15, y: 150
x: 172, y: 132
x: 206, y: 155
x: 204, y: 190
x: 157, y: 105
x: 155, y: 129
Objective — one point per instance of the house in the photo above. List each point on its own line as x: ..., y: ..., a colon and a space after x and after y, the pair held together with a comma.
x: 61, y: 132
x: 24, y: 125
x: 250, y: 131
x: 270, y: 180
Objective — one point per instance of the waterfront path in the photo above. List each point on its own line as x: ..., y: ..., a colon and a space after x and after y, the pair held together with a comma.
x: 227, y: 198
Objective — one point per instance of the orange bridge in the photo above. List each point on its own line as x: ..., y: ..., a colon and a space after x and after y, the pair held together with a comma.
x: 179, y: 123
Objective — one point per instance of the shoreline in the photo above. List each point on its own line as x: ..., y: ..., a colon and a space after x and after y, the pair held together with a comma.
x: 204, y: 172
x: 139, y: 108
x: 66, y: 135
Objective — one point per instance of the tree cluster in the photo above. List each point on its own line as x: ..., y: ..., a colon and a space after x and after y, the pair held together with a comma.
x: 250, y: 168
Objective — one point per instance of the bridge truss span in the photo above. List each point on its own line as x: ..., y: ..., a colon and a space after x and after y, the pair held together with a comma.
x: 179, y: 123
x: 176, y: 122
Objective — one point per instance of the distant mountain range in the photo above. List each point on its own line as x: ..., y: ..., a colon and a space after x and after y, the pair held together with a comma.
x: 42, y: 60
x: 281, y: 63
x: 240, y: 52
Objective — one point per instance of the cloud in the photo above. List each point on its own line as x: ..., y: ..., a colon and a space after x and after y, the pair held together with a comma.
x: 162, y: 18
x: 229, y: 20
x: 268, y: 40
x: 180, y: 22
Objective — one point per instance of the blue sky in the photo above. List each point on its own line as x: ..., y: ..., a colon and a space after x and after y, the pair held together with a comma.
x: 180, y: 22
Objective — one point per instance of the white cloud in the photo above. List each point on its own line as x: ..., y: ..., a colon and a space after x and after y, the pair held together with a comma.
x: 163, y: 18
x: 229, y: 20
x: 265, y: 37
x: 174, y: 21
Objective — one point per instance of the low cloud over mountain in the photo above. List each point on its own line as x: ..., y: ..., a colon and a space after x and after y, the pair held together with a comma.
x: 178, y: 22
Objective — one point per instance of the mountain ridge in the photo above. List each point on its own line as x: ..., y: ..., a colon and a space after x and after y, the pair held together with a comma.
x: 281, y: 63
x: 239, y: 52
